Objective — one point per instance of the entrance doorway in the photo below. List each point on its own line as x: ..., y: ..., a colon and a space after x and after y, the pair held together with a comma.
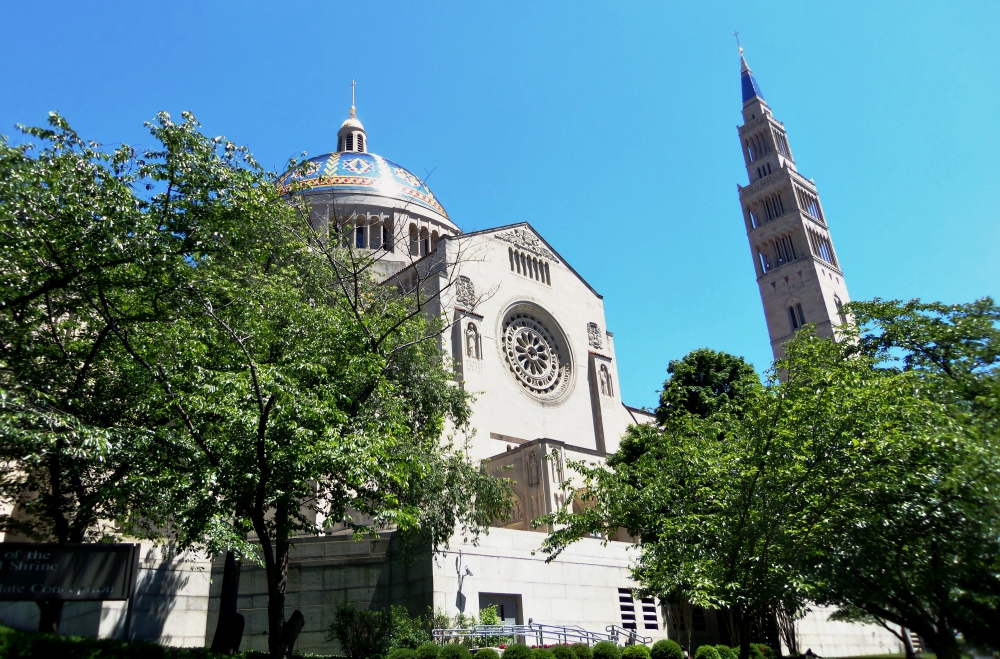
x: 508, y: 606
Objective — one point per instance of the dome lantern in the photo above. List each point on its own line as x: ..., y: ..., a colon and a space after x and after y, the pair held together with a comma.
x: 352, y: 135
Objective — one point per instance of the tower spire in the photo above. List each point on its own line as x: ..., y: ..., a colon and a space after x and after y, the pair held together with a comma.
x: 352, y: 135
x: 797, y: 270
x: 354, y: 112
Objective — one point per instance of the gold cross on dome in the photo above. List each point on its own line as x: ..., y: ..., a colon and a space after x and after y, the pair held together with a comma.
x: 353, y: 83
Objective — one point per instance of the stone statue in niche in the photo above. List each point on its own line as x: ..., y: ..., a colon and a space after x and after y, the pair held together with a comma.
x: 604, y: 377
x: 465, y: 292
x: 594, y: 335
x: 472, y: 342
x: 533, y: 470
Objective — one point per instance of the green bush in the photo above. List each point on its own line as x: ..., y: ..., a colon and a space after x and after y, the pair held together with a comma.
x: 362, y: 634
x: 517, y: 651
x: 428, y: 651
x: 582, y: 651
x: 726, y: 652
x: 667, y: 649
x: 562, y: 652
x: 542, y: 653
x: 454, y: 651
x: 607, y: 650
x: 401, y: 653
x: 766, y: 650
x: 755, y: 651
x: 637, y: 651
x: 706, y: 652
x: 487, y: 653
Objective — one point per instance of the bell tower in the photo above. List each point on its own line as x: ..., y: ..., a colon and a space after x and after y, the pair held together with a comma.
x: 798, y: 273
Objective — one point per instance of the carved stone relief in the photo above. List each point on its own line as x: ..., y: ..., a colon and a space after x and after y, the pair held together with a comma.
x: 465, y: 292
x: 526, y: 240
x: 594, y: 335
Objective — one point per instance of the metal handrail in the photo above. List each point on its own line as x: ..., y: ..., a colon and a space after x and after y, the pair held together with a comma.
x: 540, y: 634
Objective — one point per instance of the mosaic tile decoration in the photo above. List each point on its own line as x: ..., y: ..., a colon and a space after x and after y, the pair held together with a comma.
x: 360, y: 171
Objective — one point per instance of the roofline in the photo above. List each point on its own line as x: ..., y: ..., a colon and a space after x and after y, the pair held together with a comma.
x: 540, y: 237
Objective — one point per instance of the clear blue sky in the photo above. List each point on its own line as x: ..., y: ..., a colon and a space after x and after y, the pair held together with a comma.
x: 611, y: 127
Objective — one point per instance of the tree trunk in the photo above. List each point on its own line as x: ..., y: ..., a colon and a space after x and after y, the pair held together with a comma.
x: 51, y: 615
x: 277, y: 583
x: 907, y: 643
x: 743, y: 624
x: 229, y: 629
x: 945, y: 645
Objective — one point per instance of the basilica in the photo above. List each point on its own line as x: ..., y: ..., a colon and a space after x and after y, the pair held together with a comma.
x: 529, y: 339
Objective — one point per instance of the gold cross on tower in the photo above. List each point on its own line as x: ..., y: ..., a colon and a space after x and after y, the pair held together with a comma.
x: 353, y: 83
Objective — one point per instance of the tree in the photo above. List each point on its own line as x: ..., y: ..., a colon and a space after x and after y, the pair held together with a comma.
x: 799, y: 491
x: 282, y: 397
x: 917, y: 542
x: 704, y: 381
x: 79, y: 460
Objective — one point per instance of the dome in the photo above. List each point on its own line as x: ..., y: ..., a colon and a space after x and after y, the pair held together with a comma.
x: 359, y: 173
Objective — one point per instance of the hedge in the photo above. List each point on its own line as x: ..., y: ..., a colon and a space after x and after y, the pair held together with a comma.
x: 607, y: 650
x: 636, y: 651
x: 667, y: 649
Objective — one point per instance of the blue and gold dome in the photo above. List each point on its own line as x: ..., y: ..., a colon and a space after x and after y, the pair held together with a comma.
x: 355, y: 172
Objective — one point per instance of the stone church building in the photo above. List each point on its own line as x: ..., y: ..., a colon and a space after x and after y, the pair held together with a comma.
x: 529, y: 338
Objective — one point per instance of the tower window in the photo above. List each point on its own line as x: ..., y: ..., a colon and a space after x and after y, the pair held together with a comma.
x: 359, y: 237
x: 361, y: 142
x: 340, y: 144
x: 425, y: 242
x: 414, y: 242
x: 387, y: 237
x: 791, y: 316
x: 839, y: 304
x: 349, y: 142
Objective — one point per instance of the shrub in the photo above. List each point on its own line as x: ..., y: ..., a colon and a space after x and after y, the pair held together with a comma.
x: 362, y: 634
x: 516, y: 651
x: 667, y: 649
x: 542, y: 653
x: 563, y: 652
x: 766, y: 650
x: 582, y: 651
x: 427, y: 651
x: 407, y: 631
x: 607, y: 650
x: 636, y: 651
x: 755, y: 652
x: 401, y: 653
x: 726, y: 652
x: 453, y: 651
x: 487, y: 653
x: 706, y: 652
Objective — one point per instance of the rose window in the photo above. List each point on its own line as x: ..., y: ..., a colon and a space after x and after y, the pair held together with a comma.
x: 533, y: 355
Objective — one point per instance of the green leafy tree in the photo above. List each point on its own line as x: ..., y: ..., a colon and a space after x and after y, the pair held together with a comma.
x: 917, y: 542
x: 79, y: 456
x: 277, y: 379
x: 703, y: 382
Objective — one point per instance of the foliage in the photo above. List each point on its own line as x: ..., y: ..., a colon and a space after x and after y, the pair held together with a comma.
x: 706, y: 652
x: 726, y: 652
x: 454, y: 651
x: 563, y: 652
x: 703, y: 382
x: 583, y: 651
x: 362, y: 634
x: 816, y: 482
x: 606, y: 650
x: 542, y: 653
x: 409, y: 632
x: 516, y: 651
x: 401, y: 653
x: 428, y: 651
x: 636, y: 651
x: 487, y: 653
x: 761, y: 651
x: 176, y: 332
x: 667, y: 649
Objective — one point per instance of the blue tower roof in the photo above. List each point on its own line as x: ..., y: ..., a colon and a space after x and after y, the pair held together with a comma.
x: 750, y: 88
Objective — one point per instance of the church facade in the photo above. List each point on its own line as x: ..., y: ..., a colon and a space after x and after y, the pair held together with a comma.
x: 529, y: 339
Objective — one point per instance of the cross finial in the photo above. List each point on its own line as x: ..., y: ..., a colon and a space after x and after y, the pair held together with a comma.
x: 353, y: 111
x: 737, y: 35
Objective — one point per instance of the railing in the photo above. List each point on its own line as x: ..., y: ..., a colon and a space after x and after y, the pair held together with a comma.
x: 535, y: 634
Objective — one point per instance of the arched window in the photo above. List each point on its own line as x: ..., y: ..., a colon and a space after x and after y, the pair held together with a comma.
x: 472, y: 348
x: 361, y: 142
x: 414, y: 241
x: 340, y: 144
x: 510, y: 255
x: 839, y: 304
x: 349, y: 141
x: 387, y: 236
x: 434, y: 240
x: 359, y: 237
x: 791, y: 316
x: 425, y: 242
